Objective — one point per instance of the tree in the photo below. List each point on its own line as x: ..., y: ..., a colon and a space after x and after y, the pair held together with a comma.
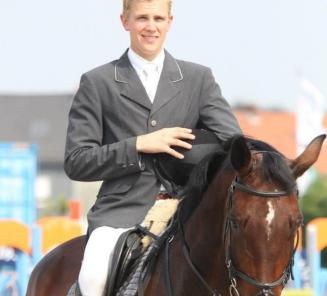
x: 314, y: 204
x: 314, y: 201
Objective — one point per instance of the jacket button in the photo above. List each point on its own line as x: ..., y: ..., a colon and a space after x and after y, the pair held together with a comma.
x: 153, y: 122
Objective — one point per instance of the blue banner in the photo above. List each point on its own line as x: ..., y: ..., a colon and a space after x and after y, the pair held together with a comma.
x: 18, y: 164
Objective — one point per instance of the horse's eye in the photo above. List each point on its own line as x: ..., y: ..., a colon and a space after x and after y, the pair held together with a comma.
x: 296, y: 223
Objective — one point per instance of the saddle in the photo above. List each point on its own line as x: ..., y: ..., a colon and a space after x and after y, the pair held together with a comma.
x: 132, y: 260
x: 132, y: 265
x: 127, y: 250
x: 138, y: 277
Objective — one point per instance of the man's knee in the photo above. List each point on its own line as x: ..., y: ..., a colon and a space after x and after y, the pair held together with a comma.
x: 92, y: 283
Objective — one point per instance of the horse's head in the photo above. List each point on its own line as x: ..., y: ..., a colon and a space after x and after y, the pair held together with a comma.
x: 263, y: 215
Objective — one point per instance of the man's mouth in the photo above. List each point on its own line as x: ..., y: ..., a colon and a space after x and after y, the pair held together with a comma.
x: 149, y: 38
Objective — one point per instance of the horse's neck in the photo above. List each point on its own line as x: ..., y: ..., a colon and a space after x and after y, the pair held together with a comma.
x: 211, y: 210
x: 204, y: 230
x: 204, y: 236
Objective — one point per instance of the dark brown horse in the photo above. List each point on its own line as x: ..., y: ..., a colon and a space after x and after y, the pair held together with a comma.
x: 236, y: 233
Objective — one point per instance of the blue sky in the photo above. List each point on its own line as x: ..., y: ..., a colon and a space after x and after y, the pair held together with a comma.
x: 256, y: 48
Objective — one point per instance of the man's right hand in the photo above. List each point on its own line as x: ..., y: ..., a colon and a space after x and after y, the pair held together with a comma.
x: 161, y: 141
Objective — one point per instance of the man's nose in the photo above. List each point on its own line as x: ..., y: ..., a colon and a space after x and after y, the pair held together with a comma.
x: 151, y: 25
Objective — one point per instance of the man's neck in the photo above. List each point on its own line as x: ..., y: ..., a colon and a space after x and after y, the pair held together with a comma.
x: 151, y: 59
x: 139, y: 62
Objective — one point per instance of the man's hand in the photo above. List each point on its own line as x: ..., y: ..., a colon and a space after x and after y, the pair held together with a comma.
x: 161, y: 141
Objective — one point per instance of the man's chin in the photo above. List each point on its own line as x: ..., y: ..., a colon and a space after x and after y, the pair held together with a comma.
x: 150, y: 52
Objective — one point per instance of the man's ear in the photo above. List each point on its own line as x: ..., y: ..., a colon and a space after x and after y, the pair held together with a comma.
x: 171, y: 18
x: 124, y: 22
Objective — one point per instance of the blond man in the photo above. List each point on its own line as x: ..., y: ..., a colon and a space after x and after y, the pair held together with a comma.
x: 124, y: 113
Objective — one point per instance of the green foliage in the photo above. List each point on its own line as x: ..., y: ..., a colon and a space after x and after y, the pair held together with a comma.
x: 314, y: 201
x: 314, y: 204
x: 54, y: 206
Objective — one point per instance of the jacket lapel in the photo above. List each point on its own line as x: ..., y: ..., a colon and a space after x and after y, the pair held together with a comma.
x: 129, y: 82
x: 169, y: 84
x: 131, y: 86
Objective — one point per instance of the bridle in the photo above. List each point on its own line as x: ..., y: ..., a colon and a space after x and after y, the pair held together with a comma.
x: 234, y: 273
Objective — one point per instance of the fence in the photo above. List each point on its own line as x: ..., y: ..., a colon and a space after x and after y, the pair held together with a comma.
x: 29, y: 245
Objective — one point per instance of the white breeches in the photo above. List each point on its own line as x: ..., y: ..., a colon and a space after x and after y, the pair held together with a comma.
x: 97, y: 259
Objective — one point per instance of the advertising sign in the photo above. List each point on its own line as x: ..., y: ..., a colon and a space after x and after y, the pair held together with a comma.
x: 18, y: 163
x: 17, y: 182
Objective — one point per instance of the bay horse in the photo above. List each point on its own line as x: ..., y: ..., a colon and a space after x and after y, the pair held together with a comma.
x: 236, y: 234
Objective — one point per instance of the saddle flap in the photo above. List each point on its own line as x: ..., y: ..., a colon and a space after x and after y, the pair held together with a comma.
x: 128, y: 248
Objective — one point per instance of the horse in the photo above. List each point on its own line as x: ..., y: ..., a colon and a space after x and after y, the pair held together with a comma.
x: 236, y: 229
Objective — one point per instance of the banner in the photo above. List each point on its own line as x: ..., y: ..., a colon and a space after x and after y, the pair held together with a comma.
x: 310, y: 111
x: 17, y: 182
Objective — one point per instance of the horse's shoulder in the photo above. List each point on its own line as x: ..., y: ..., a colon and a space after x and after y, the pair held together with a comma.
x: 72, y: 247
x: 70, y: 251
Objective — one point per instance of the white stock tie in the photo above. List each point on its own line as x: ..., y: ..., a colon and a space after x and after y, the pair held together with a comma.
x: 151, y: 79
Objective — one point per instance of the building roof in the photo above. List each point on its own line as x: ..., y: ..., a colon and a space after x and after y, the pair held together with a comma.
x: 277, y: 128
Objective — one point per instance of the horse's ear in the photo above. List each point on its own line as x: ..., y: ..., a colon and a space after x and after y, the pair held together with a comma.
x: 240, y: 155
x: 308, y: 157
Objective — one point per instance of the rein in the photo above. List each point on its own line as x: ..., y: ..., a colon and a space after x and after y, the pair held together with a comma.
x: 187, y: 255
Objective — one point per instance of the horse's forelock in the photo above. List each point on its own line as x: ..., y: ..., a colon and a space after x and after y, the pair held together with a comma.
x: 274, y: 165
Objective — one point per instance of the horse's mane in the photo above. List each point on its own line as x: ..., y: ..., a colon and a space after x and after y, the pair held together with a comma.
x: 199, y: 180
x: 274, y: 169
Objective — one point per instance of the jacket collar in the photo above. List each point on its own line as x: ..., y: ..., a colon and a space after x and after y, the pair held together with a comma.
x: 132, y: 88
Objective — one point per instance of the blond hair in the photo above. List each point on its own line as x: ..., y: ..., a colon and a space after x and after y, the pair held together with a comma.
x: 128, y: 3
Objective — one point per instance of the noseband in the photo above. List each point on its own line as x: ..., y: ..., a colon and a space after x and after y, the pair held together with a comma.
x: 234, y: 273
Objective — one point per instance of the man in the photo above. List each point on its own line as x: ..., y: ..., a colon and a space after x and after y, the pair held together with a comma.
x: 123, y: 114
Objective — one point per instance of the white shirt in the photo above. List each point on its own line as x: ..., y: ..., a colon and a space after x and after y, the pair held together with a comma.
x: 148, y: 71
x: 149, y: 78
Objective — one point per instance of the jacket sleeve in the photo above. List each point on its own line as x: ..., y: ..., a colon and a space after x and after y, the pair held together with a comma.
x: 215, y: 112
x: 86, y: 158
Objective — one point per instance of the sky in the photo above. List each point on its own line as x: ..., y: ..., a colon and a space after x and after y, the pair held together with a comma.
x: 257, y: 49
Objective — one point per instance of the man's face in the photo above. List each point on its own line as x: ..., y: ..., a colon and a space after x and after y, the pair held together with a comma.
x: 148, y: 24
